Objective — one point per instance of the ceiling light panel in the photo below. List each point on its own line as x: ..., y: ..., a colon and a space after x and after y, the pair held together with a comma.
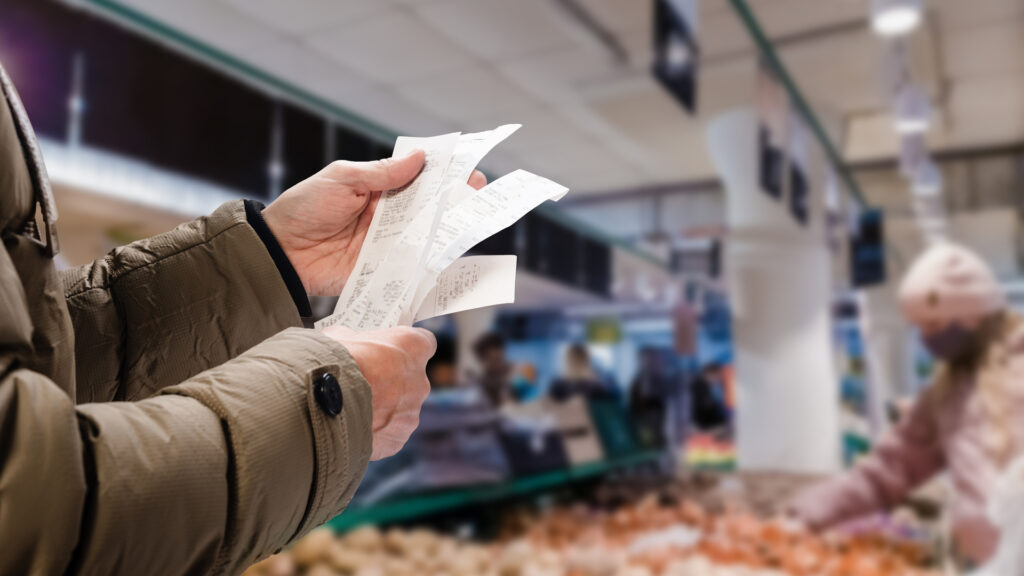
x: 302, y: 66
x: 465, y: 94
x: 620, y: 16
x: 497, y: 29
x: 985, y: 50
x: 391, y: 48
x: 561, y: 75
x: 401, y: 115
x: 895, y: 17
x: 957, y: 14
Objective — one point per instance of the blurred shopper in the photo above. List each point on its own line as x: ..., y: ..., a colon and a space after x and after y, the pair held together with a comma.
x: 161, y: 410
x: 649, y: 397
x: 495, y: 376
x: 970, y: 421
x: 441, y: 368
x: 524, y: 383
x: 708, y: 398
x: 579, y: 377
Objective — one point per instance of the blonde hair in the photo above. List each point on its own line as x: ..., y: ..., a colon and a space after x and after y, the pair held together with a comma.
x: 989, y: 369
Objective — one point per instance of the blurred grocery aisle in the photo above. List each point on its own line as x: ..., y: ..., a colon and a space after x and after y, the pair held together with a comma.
x: 715, y: 300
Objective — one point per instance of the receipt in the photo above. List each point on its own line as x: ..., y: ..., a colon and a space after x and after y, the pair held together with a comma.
x: 395, y: 213
x: 471, y: 282
x: 389, y: 297
x: 481, y: 215
x: 409, y: 267
x: 492, y: 209
x: 469, y: 150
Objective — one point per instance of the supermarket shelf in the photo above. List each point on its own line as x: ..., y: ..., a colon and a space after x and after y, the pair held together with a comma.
x: 420, y: 505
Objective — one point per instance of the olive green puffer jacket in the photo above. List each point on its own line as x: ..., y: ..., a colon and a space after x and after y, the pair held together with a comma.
x: 156, y: 407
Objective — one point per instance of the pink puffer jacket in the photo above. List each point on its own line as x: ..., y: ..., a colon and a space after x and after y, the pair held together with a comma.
x: 951, y: 433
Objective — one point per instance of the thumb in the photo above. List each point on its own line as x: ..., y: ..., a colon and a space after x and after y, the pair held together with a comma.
x: 391, y: 173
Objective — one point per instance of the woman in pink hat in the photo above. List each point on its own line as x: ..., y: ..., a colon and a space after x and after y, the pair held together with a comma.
x: 969, y: 421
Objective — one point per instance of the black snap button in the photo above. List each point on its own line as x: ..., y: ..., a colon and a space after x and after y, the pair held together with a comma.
x: 328, y: 395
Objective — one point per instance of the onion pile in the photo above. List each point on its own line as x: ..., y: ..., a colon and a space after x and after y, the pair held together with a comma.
x: 648, y: 538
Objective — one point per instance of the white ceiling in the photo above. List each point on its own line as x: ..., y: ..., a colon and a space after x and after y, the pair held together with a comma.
x: 430, y: 66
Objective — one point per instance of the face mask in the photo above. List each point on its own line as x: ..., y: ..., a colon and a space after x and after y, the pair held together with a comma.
x: 952, y: 344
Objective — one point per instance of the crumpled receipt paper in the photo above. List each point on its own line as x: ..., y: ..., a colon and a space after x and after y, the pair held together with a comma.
x: 411, y: 267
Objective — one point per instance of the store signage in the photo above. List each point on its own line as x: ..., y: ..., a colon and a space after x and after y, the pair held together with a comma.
x: 770, y: 164
x: 867, y: 250
x: 773, y: 124
x: 798, y: 166
x: 676, y: 50
x: 604, y: 331
x: 783, y: 149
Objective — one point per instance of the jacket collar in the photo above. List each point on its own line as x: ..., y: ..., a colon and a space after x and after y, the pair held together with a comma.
x: 36, y: 167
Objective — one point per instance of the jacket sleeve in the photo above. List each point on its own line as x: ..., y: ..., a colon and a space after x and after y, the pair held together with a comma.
x: 160, y: 310
x: 906, y: 457
x: 213, y: 473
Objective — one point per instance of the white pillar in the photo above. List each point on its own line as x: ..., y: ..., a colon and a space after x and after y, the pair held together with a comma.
x: 779, y: 282
x: 888, y: 352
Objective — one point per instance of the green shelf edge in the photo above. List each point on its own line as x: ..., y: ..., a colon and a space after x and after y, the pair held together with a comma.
x: 421, y: 505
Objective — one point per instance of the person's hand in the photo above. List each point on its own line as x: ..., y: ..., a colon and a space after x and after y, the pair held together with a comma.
x: 394, y: 362
x: 322, y: 221
x: 789, y: 521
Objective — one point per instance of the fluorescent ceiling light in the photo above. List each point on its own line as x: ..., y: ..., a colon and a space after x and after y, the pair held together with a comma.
x: 678, y: 55
x: 927, y: 178
x: 895, y: 17
x: 913, y: 110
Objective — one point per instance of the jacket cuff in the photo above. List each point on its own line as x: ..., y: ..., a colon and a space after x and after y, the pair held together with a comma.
x: 292, y: 466
x: 254, y: 215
